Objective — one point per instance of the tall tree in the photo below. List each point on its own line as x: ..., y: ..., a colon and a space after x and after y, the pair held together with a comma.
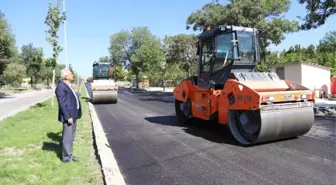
x: 139, y: 47
x: 7, y: 43
x: 14, y: 73
x: 33, y: 60
x: 119, y: 47
x: 328, y: 42
x: 104, y: 59
x: 318, y: 12
x: 266, y: 15
x: 54, y: 19
x: 182, y: 49
x: 45, y: 72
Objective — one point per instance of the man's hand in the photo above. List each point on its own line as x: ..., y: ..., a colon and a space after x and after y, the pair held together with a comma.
x: 70, y: 121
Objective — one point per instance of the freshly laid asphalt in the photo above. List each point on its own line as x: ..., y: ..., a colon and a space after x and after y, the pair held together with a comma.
x: 150, y: 148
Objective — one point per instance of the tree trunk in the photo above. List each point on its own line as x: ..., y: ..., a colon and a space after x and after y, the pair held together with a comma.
x: 36, y: 81
x: 31, y: 82
x: 53, y: 89
x: 137, y: 79
x: 163, y: 77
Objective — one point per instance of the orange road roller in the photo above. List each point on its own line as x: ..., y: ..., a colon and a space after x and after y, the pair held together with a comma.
x: 103, y: 88
x: 256, y: 106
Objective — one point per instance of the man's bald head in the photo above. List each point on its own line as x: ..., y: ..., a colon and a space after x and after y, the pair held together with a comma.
x: 66, y: 74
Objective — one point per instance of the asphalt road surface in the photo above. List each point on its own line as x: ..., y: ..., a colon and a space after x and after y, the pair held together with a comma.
x: 150, y: 148
x: 15, y: 103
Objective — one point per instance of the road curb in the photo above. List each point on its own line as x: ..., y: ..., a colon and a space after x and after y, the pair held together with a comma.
x: 111, y: 172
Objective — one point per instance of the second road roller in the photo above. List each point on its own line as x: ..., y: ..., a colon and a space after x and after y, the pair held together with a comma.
x: 257, y: 107
x: 104, y: 88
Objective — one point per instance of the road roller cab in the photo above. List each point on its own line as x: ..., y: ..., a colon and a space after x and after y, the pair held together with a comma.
x: 257, y: 106
x: 104, y: 88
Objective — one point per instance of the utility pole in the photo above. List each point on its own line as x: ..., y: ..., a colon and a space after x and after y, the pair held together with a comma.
x: 65, y: 39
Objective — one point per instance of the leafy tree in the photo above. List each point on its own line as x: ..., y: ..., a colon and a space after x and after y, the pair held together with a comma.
x: 45, y: 72
x: 164, y: 46
x: 14, y: 73
x: 104, y: 59
x: 89, y: 79
x: 174, y: 74
x: 33, y: 60
x: 265, y: 15
x: 119, y: 73
x: 317, y: 12
x: 328, y: 42
x: 322, y: 54
x: 54, y: 19
x: 119, y: 47
x: 75, y: 74
x: 310, y: 51
x: 7, y: 43
x: 138, y: 46
x: 182, y: 49
x: 58, y: 69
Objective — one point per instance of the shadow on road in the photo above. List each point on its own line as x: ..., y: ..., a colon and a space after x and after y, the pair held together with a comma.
x: 164, y: 100
x: 165, y: 97
x: 325, y: 117
x: 5, y: 96
x: 207, y: 130
x: 157, y: 93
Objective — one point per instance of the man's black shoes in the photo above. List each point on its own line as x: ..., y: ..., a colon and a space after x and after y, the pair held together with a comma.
x: 74, y: 159
x: 67, y: 161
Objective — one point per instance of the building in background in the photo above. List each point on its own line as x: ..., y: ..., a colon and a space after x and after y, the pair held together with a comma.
x: 310, y: 75
x: 26, y: 82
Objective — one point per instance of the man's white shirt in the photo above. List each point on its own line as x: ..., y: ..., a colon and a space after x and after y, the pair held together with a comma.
x: 73, y: 93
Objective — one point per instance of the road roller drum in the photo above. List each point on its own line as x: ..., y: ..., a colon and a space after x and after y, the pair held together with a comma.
x: 104, y: 97
x: 251, y: 128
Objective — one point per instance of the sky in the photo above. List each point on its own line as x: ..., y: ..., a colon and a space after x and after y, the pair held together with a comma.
x: 90, y: 24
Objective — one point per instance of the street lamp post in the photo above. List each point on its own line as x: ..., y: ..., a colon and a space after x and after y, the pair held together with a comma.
x: 65, y: 39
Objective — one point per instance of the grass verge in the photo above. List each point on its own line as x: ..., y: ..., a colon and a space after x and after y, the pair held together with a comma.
x: 30, y: 151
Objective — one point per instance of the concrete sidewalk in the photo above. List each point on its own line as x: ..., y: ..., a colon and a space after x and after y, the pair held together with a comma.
x: 16, y: 103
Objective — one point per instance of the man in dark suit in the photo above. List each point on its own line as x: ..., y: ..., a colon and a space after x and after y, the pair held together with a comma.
x: 69, y: 111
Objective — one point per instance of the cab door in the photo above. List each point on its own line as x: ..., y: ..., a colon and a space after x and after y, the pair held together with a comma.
x: 203, y: 96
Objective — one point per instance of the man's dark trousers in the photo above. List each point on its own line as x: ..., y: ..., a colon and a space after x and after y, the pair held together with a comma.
x: 68, y: 137
x: 67, y: 109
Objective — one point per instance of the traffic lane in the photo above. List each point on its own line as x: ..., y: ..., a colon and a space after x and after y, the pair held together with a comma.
x: 322, y: 134
x: 151, y: 149
x: 319, y: 141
